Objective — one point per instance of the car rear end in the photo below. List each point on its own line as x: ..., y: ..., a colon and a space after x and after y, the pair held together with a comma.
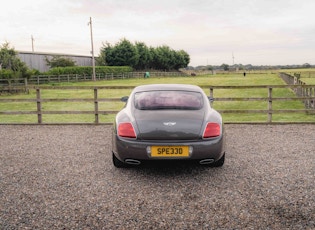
x: 168, y: 125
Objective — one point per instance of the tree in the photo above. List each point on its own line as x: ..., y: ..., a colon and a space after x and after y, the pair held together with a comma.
x: 101, y: 59
x: 209, y: 67
x: 107, y: 55
x: 225, y: 67
x: 153, y: 61
x: 145, y: 56
x: 59, y: 61
x: 122, y: 54
x: 11, y: 65
x: 182, y: 59
x: 141, y: 57
x: 164, y: 57
x: 306, y: 65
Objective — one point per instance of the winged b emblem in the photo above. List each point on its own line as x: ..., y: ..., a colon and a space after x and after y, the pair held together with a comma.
x: 169, y: 123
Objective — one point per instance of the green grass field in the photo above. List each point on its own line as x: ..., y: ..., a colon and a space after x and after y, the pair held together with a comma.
x: 214, y: 80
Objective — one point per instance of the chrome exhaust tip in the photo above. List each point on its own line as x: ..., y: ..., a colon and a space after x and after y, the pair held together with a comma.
x: 206, y: 161
x: 132, y: 162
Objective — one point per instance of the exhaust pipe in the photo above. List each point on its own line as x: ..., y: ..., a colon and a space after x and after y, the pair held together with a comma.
x: 206, y: 161
x: 132, y: 162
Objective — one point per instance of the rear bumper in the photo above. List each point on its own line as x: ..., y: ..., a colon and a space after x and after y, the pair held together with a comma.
x: 123, y: 149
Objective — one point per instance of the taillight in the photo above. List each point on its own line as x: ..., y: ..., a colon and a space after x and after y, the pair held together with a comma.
x: 126, y: 130
x: 212, y: 130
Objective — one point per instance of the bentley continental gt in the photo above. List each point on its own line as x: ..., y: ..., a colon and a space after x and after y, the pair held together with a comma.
x: 168, y: 122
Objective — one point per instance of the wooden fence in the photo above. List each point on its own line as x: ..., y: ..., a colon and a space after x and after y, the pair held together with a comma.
x: 39, y: 112
x: 307, y: 100
x: 39, y: 102
x: 13, y: 85
x: 303, y: 91
x: 44, y: 79
x: 302, y: 74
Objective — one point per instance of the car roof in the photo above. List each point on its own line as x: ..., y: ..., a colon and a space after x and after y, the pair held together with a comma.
x: 153, y: 87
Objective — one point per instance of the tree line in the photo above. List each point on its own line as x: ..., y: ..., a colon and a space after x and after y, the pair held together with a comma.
x: 140, y: 57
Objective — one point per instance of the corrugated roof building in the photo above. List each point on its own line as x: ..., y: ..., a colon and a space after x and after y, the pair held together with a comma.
x: 37, y: 60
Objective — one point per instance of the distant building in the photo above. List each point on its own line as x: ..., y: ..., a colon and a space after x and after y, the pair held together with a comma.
x: 37, y: 60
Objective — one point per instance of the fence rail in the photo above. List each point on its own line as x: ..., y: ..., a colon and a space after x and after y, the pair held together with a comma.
x: 44, y: 79
x: 39, y: 112
x: 308, y: 98
x: 6, y: 84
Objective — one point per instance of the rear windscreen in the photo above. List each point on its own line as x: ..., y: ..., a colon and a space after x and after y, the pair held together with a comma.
x: 168, y: 100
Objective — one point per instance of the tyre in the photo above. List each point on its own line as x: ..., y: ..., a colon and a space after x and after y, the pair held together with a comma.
x: 117, y: 163
x: 219, y: 163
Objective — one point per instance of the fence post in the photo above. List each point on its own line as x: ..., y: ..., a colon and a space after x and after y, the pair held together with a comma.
x: 96, y: 106
x: 26, y: 85
x: 270, y: 105
x: 39, y: 106
x: 312, y: 94
x: 307, y: 101
x: 211, y: 96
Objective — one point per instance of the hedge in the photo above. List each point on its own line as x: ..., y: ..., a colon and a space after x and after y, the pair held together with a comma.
x: 88, y: 70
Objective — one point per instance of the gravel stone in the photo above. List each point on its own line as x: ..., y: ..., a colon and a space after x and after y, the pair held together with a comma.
x: 62, y: 177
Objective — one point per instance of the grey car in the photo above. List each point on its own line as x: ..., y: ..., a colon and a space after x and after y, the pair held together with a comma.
x: 168, y: 122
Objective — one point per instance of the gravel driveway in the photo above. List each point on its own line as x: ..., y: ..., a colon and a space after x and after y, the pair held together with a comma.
x: 62, y: 177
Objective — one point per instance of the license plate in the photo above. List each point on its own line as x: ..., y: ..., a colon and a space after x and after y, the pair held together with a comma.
x: 169, y: 151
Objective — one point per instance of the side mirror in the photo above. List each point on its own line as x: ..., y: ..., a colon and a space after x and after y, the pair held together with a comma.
x: 211, y: 99
x: 124, y: 99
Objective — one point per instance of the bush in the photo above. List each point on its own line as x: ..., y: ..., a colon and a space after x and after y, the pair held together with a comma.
x: 88, y: 70
x: 10, y: 74
x: 58, y: 61
x: 11, y: 64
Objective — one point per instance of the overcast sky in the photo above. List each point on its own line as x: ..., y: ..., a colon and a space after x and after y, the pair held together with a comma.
x: 258, y: 32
